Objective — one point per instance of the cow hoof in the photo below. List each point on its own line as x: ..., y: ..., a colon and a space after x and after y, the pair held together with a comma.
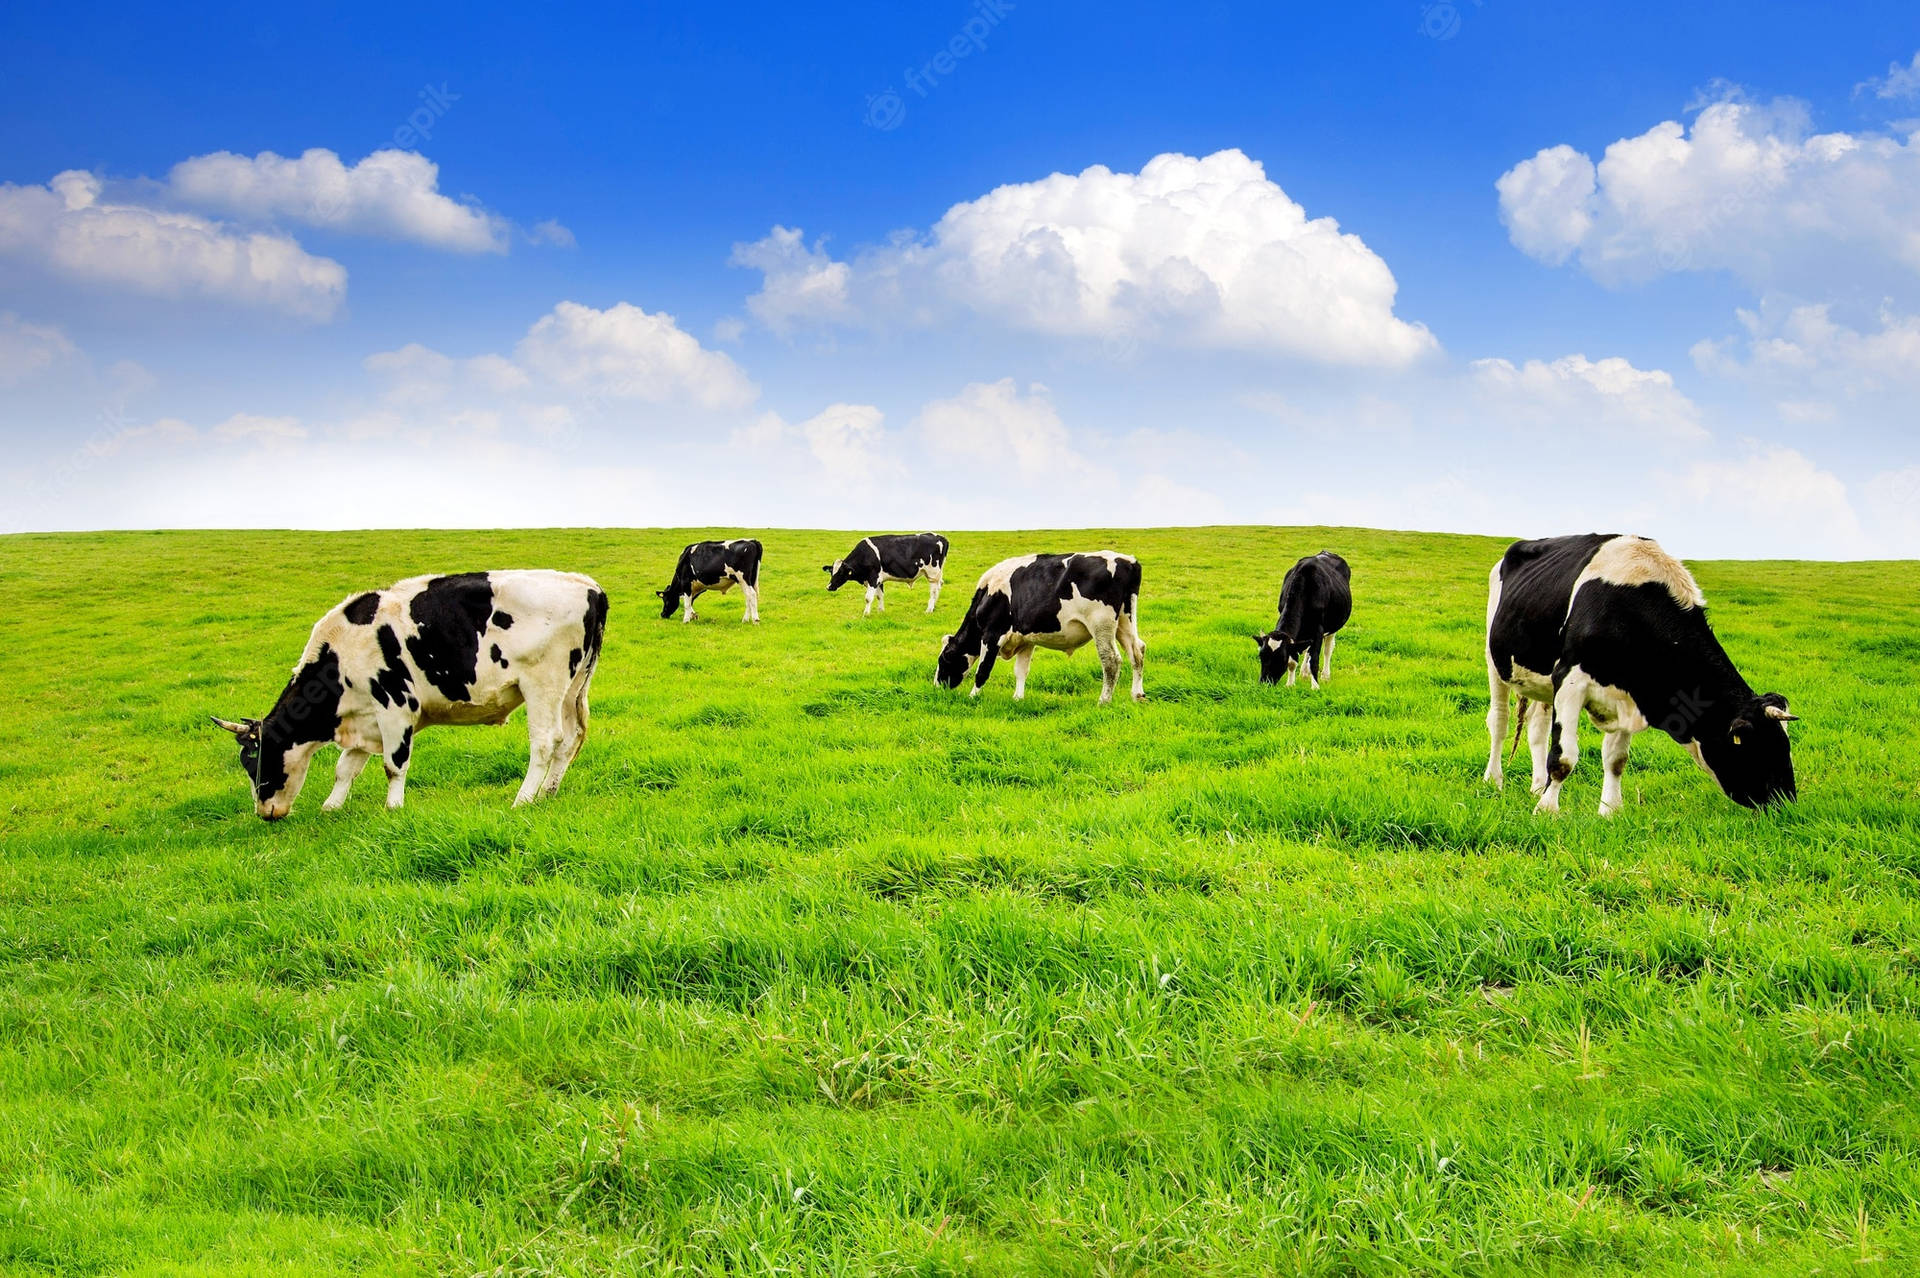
x: 1546, y: 808
x: 1139, y: 696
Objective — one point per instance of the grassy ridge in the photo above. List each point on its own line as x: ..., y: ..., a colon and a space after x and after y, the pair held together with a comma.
x: 812, y: 967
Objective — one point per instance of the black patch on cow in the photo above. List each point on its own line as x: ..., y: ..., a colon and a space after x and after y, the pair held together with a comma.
x: 1316, y: 600
x: 308, y: 711
x: 361, y: 608
x: 404, y: 750
x: 503, y: 620
x: 498, y: 658
x: 706, y: 563
x: 573, y: 663
x: 888, y: 556
x: 594, y: 624
x: 392, y: 684
x: 449, y: 616
x: 1536, y: 582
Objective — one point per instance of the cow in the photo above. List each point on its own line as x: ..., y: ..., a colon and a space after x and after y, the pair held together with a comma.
x: 874, y: 561
x: 1316, y: 599
x: 1617, y: 627
x: 462, y: 649
x: 1049, y: 601
x: 714, y: 565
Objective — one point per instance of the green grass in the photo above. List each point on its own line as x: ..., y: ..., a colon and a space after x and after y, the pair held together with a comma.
x: 814, y: 968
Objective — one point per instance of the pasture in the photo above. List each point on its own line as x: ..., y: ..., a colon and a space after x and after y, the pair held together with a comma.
x: 812, y: 967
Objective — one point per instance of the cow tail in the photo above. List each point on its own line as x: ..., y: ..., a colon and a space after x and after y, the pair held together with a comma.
x: 1519, y: 725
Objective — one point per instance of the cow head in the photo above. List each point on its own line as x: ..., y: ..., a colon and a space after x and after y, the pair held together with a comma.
x: 679, y: 588
x: 955, y: 661
x: 838, y: 574
x: 1277, y: 655
x: 1751, y: 757
x: 275, y: 752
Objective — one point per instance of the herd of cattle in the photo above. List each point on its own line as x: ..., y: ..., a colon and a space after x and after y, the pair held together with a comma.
x: 1611, y: 626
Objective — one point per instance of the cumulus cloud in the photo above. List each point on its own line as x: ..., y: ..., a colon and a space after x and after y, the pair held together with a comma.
x: 847, y: 440
x: 801, y: 283
x: 1202, y: 252
x: 626, y: 353
x: 1575, y: 393
x: 240, y: 428
x: 1778, y: 501
x: 1748, y: 189
x: 1805, y: 344
x: 27, y: 349
x: 390, y: 193
x: 68, y: 228
x: 551, y: 232
x: 996, y: 425
x: 1898, y: 83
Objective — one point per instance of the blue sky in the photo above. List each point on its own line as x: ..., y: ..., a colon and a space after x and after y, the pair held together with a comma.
x: 779, y: 266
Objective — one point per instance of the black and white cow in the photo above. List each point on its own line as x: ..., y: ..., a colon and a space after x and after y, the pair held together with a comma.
x: 1316, y: 599
x: 714, y: 565
x: 1050, y: 601
x: 874, y: 561
x: 462, y: 649
x: 1617, y: 627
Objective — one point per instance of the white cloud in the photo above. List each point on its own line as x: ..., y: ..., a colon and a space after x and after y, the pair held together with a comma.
x: 240, y: 428
x: 66, y: 227
x: 848, y: 441
x: 389, y: 193
x: 1892, y: 501
x: 995, y: 425
x: 624, y: 352
x: 552, y: 233
x: 1200, y: 252
x: 1805, y: 344
x: 1747, y: 190
x: 800, y: 283
x: 27, y: 349
x: 1775, y: 501
x: 1582, y: 396
x: 1899, y: 82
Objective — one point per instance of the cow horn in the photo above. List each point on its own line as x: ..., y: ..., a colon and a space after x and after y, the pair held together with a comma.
x: 1783, y: 714
x: 235, y: 728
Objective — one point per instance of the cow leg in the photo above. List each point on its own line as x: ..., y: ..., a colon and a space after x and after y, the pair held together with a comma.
x: 1326, y: 658
x: 546, y: 739
x: 687, y: 616
x: 1136, y: 652
x: 1614, y: 748
x: 1311, y: 659
x: 1021, y: 660
x: 1563, y: 745
x: 1293, y: 669
x: 396, y: 743
x: 1539, y: 729
x: 351, y: 761
x: 753, y: 605
x: 869, y: 609
x: 933, y: 589
x: 985, y: 668
x: 1103, y: 643
x: 1499, y: 706
x: 880, y: 595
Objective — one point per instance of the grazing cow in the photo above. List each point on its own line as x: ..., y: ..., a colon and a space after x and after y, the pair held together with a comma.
x: 875, y: 561
x: 463, y: 649
x: 1050, y: 601
x: 1316, y: 599
x: 714, y: 565
x: 1617, y: 627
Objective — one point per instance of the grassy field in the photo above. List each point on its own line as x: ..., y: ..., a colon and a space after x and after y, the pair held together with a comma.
x: 814, y: 968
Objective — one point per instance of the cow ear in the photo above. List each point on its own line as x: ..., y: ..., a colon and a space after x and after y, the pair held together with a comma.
x: 237, y: 729
x: 1739, y: 726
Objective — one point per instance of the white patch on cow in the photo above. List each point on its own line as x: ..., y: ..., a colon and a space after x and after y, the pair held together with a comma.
x: 1640, y: 561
